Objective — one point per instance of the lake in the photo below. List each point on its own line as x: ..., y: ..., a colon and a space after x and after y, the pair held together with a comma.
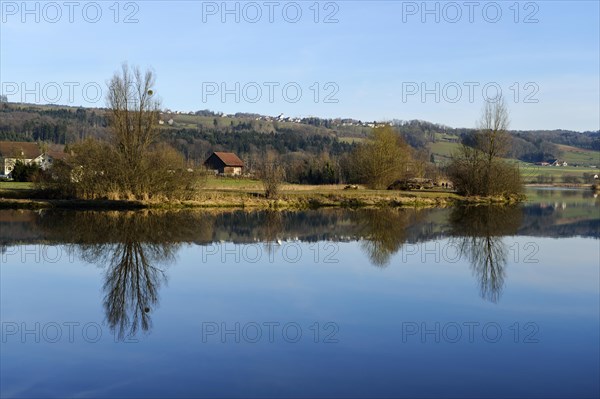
x: 457, y: 302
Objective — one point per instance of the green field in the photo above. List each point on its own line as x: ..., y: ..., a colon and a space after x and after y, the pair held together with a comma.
x: 14, y: 185
x: 444, y: 149
x: 579, y: 156
x: 231, y: 183
x: 531, y: 172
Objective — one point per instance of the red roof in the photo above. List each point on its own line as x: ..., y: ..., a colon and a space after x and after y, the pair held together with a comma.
x: 29, y: 150
x: 229, y: 158
x: 17, y: 149
x: 57, y: 154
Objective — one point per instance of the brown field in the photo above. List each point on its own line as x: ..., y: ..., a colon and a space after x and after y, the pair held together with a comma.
x: 246, y: 193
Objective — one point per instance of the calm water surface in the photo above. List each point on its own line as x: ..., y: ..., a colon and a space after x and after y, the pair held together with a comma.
x: 474, y: 302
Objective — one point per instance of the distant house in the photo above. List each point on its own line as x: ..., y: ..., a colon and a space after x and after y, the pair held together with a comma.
x: 28, y: 153
x: 559, y: 163
x: 225, y: 163
x: 11, y: 152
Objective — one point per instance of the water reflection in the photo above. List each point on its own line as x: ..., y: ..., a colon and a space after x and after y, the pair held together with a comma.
x: 383, y: 231
x: 132, y: 284
x: 271, y: 230
x: 135, y: 248
x: 478, y: 232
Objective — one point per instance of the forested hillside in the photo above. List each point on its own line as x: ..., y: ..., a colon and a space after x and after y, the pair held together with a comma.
x: 197, y: 134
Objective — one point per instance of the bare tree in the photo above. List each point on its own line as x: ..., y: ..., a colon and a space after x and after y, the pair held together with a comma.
x: 271, y: 173
x: 134, y: 112
x: 481, y: 170
x: 493, y: 138
x: 132, y: 164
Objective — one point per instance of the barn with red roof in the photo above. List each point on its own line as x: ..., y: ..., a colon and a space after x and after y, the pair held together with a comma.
x: 225, y: 163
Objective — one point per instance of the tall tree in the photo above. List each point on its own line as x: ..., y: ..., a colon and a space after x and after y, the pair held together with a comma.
x: 381, y: 161
x: 480, y: 169
x: 132, y: 164
x: 134, y: 113
x: 493, y: 138
x: 272, y: 174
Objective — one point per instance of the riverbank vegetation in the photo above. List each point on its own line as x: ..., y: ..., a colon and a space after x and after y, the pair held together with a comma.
x: 134, y: 162
x: 249, y: 194
x: 130, y: 163
x: 481, y: 169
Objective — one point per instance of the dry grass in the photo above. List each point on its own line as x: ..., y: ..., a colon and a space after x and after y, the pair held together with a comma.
x: 244, y: 193
x: 309, y: 187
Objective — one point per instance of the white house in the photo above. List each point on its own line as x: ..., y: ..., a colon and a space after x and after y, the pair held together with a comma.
x: 559, y: 163
x: 13, y: 151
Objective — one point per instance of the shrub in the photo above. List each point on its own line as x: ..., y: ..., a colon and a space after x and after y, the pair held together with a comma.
x: 23, y: 172
x: 97, y: 170
x: 472, y: 174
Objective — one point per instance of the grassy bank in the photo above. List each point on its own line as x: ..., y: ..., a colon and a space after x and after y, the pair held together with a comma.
x: 556, y: 174
x: 245, y: 193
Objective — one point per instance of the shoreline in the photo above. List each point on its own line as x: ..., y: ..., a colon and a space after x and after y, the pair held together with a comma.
x: 237, y: 200
x: 559, y: 185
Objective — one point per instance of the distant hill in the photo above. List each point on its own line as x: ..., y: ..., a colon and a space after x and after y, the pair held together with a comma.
x: 197, y: 134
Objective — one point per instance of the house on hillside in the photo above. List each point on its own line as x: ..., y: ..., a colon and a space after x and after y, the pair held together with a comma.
x: 28, y: 153
x: 225, y: 163
x: 11, y: 152
x: 559, y: 163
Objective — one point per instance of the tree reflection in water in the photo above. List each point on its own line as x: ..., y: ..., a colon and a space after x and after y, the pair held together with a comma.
x: 477, y: 232
x: 134, y: 247
x: 132, y: 283
x: 135, y: 259
x: 383, y: 232
x: 271, y: 229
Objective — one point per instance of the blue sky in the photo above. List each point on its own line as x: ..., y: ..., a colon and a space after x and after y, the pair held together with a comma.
x: 374, y: 60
